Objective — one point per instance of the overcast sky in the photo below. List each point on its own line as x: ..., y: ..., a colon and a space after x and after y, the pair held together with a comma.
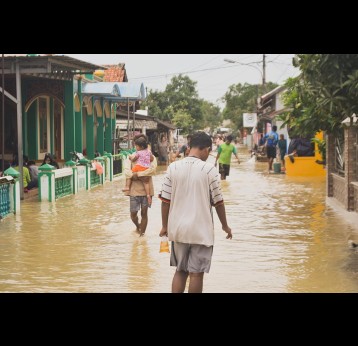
x: 212, y: 73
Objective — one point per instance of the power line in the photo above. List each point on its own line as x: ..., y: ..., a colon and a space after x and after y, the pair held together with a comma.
x: 217, y: 56
x: 186, y: 72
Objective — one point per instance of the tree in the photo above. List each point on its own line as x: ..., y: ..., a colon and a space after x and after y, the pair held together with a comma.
x: 158, y: 105
x: 242, y: 98
x: 211, y: 115
x: 180, y: 95
x: 183, y: 121
x: 324, y: 94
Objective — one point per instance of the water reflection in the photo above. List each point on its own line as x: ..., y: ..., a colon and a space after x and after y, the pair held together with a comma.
x: 140, y: 271
x: 286, y: 239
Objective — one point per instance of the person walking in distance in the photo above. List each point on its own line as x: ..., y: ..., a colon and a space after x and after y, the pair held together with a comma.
x: 271, y: 138
x: 282, y: 146
x: 163, y: 149
x: 185, y: 148
x: 143, y: 157
x: 225, y: 151
x: 190, y: 189
x: 137, y: 193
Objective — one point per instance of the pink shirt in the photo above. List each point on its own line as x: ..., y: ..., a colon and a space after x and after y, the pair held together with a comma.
x: 143, y: 157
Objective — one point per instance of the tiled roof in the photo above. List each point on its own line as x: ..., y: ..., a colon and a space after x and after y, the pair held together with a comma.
x: 115, y: 73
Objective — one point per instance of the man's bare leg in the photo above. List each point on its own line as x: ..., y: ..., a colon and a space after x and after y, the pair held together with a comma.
x: 128, y: 185
x: 179, y: 281
x: 270, y: 163
x: 196, y: 283
x: 145, y: 181
x: 134, y: 217
x: 144, y: 221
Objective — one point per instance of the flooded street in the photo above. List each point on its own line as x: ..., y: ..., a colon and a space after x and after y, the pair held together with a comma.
x: 285, y: 239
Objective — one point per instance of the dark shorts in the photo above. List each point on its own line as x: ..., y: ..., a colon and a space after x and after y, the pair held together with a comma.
x: 137, y: 202
x: 271, y: 152
x: 163, y: 158
x: 224, y: 169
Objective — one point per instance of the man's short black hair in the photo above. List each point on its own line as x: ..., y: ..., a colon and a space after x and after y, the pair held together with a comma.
x: 229, y: 138
x: 200, y: 140
x: 274, y: 128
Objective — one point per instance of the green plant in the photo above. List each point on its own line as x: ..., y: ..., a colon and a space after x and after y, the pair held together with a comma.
x: 321, y: 144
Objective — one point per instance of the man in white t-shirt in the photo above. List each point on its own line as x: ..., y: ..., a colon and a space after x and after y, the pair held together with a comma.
x: 191, y: 187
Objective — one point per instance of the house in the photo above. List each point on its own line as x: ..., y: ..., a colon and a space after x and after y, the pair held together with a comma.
x: 57, y: 104
x: 270, y: 106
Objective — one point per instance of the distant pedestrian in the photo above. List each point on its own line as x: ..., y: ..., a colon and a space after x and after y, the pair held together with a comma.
x: 50, y: 160
x: 282, y: 145
x: 163, y: 149
x: 25, y: 174
x: 34, y: 172
x: 225, y: 151
x: 271, y: 139
x: 185, y: 148
x: 219, y: 140
x: 262, y: 140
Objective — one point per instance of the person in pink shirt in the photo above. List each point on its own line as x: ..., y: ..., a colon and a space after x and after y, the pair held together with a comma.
x: 143, y: 157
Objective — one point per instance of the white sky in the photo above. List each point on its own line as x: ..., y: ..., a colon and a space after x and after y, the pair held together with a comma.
x: 212, y: 73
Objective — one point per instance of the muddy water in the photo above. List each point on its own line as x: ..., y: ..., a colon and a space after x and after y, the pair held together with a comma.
x: 286, y: 239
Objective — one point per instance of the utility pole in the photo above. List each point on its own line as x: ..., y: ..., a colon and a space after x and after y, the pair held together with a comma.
x: 264, y: 72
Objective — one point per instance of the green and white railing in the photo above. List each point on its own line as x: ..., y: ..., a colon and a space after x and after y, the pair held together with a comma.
x: 9, y: 193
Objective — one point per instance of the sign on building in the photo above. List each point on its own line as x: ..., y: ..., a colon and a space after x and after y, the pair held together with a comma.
x: 250, y: 119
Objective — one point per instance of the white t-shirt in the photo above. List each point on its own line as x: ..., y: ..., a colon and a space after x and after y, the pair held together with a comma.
x: 192, y: 187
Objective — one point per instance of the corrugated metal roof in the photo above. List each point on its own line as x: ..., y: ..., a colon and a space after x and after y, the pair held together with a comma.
x: 56, y: 61
x: 273, y: 92
x: 131, y: 91
x: 139, y: 124
x: 101, y: 88
x: 166, y: 124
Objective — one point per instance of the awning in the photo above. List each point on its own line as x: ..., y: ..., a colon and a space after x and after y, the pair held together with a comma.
x: 138, y: 124
x: 272, y: 92
x: 165, y: 124
x: 49, y: 66
x: 101, y: 89
x: 116, y: 91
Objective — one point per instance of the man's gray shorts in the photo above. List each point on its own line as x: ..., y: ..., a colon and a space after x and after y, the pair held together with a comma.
x: 137, y: 202
x: 191, y: 258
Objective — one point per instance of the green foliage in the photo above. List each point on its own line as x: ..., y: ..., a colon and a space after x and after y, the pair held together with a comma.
x: 181, y: 105
x: 321, y: 144
x: 211, y: 116
x: 324, y: 94
x: 242, y: 98
x: 183, y: 121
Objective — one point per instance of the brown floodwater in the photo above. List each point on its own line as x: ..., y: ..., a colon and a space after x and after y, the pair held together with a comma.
x: 285, y: 239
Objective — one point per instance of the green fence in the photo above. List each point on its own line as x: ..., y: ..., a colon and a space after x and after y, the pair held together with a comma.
x: 95, y: 178
x: 4, y: 199
x: 63, y: 186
